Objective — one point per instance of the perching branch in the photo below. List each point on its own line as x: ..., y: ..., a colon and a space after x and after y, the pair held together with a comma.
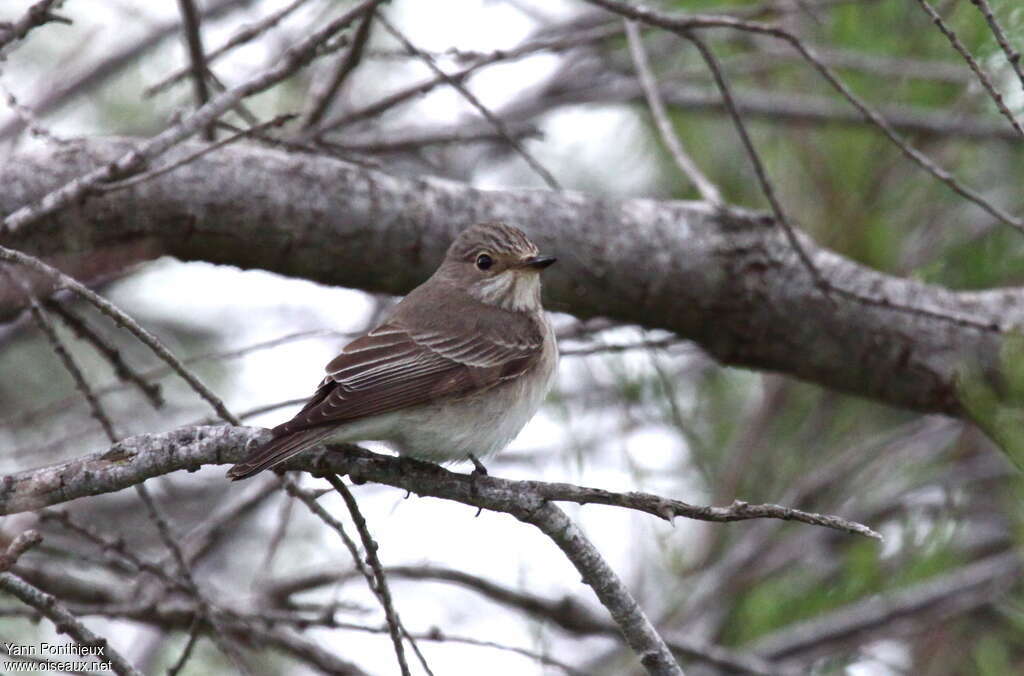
x: 133, y: 460
x: 144, y: 456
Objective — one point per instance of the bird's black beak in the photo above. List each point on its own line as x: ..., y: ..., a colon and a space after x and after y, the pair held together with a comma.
x: 539, y: 262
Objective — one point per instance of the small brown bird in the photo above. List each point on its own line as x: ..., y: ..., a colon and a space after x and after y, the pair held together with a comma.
x: 456, y: 370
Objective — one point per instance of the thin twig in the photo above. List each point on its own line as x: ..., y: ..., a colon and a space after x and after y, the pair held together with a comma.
x: 638, y: 631
x: 321, y: 100
x: 246, y: 34
x: 278, y: 121
x: 962, y: 50
x: 113, y: 356
x: 457, y: 85
x: 196, y: 57
x: 762, y: 175
x: 42, y: 320
x: 37, y: 15
x: 64, y: 621
x: 126, y: 559
x: 219, y: 634
x: 684, y: 25
x: 59, y: 91
x: 28, y: 416
x: 561, y: 43
x: 148, y: 455
x: 1012, y: 55
x: 370, y: 547
x: 668, y: 134
x: 122, y: 319
x: 310, y: 501
x: 193, y: 636
x: 137, y: 159
x: 25, y: 541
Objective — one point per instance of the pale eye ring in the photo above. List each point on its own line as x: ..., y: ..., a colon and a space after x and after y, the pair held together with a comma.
x: 484, y: 262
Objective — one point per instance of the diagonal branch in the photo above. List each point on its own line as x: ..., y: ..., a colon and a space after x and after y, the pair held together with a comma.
x: 66, y: 623
x: 656, y: 104
x: 458, y: 86
x: 381, y: 587
x: 38, y: 14
x: 196, y: 56
x: 137, y: 159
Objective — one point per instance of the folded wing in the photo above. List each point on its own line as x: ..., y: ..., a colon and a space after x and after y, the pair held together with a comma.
x: 391, y: 368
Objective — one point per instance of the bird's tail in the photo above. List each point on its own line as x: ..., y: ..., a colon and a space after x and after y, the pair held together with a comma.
x: 276, y: 451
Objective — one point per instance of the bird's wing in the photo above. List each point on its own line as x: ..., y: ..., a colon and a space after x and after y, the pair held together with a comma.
x: 395, y: 367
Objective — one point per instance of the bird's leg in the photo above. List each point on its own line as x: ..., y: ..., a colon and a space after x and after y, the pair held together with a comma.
x: 478, y: 471
x: 478, y: 467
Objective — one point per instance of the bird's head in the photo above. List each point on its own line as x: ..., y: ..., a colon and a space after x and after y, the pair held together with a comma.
x: 498, y: 265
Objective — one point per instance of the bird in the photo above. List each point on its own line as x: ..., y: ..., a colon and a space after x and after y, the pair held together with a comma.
x: 455, y: 370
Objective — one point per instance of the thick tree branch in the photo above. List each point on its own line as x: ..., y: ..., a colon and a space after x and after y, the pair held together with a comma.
x: 727, y: 279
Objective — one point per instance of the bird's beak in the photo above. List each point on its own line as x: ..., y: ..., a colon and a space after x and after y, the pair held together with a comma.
x: 538, y: 262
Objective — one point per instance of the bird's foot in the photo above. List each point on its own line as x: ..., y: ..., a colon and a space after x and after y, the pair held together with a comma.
x: 478, y: 471
x: 478, y: 467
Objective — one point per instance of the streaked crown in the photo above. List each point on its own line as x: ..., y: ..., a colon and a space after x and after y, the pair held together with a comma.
x: 496, y: 264
x: 494, y: 237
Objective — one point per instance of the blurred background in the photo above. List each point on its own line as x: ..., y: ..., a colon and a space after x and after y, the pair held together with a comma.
x: 633, y: 409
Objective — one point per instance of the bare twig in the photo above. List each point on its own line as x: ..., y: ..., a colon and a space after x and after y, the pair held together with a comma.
x: 125, y: 559
x: 755, y: 160
x: 685, y: 24
x: 122, y: 319
x: 96, y: 73
x: 65, y: 622
x: 294, y: 58
x: 28, y: 416
x: 220, y: 635
x: 565, y: 613
x: 148, y: 455
x: 310, y: 501
x: 121, y: 369
x: 982, y: 76
x: 186, y: 652
x: 656, y: 105
x: 25, y: 541
x: 457, y: 85
x: 246, y: 34
x: 321, y: 100
x: 381, y: 581
x: 638, y: 631
x: 196, y: 56
x: 42, y: 320
x: 578, y: 38
x: 37, y: 15
x: 1012, y: 55
x: 277, y: 121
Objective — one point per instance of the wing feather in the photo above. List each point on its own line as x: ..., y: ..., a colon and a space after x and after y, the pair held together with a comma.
x: 392, y: 368
x: 395, y: 367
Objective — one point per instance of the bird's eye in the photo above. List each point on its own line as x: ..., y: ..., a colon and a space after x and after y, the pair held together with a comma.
x: 484, y: 262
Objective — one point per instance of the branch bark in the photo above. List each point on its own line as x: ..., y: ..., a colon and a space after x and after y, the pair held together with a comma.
x: 727, y: 279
